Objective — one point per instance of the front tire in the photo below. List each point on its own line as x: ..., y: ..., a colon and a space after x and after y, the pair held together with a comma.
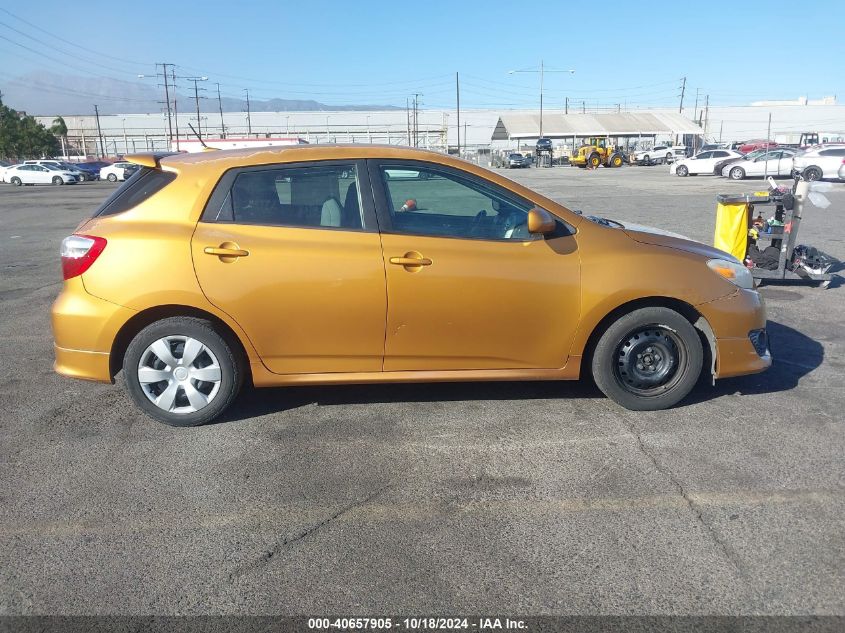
x: 737, y: 173
x: 182, y: 371
x: 812, y: 173
x: 57, y: 180
x: 647, y: 360
x: 112, y: 178
x: 682, y: 171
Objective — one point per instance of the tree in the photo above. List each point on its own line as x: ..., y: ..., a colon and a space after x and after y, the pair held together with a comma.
x: 22, y: 137
x: 59, y: 129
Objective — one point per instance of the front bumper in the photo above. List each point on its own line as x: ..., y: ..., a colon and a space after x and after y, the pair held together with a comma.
x: 735, y: 319
x: 84, y: 329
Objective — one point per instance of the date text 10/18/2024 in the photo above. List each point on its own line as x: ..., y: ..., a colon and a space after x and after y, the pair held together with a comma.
x: 417, y: 624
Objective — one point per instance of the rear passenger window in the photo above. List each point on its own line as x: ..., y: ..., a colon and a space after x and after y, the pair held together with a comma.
x: 311, y: 197
x: 141, y: 185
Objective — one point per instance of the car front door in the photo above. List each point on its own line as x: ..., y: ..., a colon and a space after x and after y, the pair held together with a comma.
x: 41, y: 174
x: 292, y: 253
x: 701, y: 163
x: 468, y: 287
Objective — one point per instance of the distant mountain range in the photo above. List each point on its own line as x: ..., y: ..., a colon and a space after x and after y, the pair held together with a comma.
x: 43, y: 93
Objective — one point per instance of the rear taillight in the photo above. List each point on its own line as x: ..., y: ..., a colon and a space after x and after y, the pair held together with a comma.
x: 79, y: 252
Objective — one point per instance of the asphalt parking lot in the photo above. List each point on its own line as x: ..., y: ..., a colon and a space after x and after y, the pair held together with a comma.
x: 514, y: 498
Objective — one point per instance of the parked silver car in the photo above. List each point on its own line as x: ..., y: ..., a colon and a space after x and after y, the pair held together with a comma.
x: 517, y: 160
x: 821, y: 161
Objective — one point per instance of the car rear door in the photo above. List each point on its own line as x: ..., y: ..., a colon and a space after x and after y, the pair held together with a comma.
x: 467, y: 286
x: 292, y: 253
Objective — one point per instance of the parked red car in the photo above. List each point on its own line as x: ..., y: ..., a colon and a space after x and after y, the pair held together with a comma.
x: 750, y: 146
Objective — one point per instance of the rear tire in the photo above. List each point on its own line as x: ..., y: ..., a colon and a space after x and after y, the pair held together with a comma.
x: 16, y: 181
x: 200, y: 389
x: 812, y: 173
x: 648, y: 359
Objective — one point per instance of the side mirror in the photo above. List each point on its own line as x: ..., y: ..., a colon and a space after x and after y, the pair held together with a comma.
x: 540, y: 221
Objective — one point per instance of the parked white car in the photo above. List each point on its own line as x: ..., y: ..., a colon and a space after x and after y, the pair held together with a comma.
x: 819, y: 162
x: 81, y: 176
x: 660, y: 154
x: 702, y: 163
x: 39, y: 175
x: 118, y: 171
x: 775, y: 162
x: 3, y: 170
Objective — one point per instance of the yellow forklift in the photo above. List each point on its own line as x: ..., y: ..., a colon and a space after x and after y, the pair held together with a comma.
x: 597, y: 151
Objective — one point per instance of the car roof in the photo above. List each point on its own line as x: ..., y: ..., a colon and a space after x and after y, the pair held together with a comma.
x: 290, y: 153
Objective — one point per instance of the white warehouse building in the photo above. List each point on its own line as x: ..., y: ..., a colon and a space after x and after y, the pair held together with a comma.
x: 437, y: 129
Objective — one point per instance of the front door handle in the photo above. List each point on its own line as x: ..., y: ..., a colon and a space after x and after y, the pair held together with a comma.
x: 412, y: 261
x: 227, y: 251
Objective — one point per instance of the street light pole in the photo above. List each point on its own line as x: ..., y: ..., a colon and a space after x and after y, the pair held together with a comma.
x: 542, y: 70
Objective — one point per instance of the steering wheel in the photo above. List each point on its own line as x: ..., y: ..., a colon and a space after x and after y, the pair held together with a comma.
x: 512, y: 226
x: 478, y: 222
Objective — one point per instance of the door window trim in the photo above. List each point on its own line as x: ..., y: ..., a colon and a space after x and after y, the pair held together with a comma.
x: 223, y: 188
x: 385, y: 219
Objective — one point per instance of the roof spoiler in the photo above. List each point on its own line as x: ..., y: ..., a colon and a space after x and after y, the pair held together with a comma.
x: 148, y: 160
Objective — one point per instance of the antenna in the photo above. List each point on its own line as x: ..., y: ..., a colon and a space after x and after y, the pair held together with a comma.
x: 198, y: 136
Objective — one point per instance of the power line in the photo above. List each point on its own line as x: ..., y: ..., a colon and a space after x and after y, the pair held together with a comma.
x: 60, y: 38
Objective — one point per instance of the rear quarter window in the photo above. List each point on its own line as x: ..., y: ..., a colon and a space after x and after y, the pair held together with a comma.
x: 141, y: 185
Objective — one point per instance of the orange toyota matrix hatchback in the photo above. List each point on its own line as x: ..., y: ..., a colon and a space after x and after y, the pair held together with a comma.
x: 363, y: 264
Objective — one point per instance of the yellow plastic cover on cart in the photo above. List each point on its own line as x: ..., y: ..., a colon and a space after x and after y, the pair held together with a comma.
x: 732, y: 228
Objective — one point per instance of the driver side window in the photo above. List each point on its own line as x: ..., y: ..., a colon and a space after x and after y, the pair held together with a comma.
x: 431, y: 201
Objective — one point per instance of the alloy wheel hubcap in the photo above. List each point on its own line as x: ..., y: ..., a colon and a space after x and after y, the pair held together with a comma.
x: 179, y: 374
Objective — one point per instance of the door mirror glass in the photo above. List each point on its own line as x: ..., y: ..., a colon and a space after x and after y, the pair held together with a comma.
x: 540, y: 222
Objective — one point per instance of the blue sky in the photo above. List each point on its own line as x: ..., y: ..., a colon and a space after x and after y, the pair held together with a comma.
x: 631, y: 53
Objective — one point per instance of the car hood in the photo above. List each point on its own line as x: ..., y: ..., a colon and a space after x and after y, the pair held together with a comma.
x: 658, y: 237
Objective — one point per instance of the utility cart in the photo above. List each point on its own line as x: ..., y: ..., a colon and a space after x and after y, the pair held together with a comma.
x: 735, y: 229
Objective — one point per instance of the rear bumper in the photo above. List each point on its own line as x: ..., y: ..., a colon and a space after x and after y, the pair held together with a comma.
x: 733, y: 319
x: 84, y: 329
x: 76, y: 363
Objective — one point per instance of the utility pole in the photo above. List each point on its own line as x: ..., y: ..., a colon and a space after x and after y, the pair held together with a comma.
x: 458, y: 100
x: 248, y: 115
x: 567, y: 105
x: 706, y: 113
x: 683, y: 89
x: 408, y: 118
x: 175, y: 109
x: 695, y: 108
x: 100, y: 131
x: 220, y: 106
x: 196, y: 81
x: 417, y: 96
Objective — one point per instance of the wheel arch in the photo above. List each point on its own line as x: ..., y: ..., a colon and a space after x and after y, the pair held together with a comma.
x: 688, y: 311
x: 146, y: 317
